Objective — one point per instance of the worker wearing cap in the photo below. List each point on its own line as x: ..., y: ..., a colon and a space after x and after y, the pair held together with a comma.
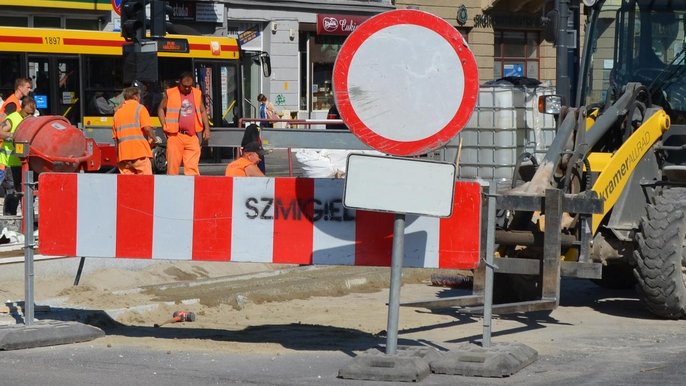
x: 133, y: 135
x: 246, y: 164
x: 182, y: 115
x: 11, y: 164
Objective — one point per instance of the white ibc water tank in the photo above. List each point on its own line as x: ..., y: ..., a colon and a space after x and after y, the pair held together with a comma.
x: 505, y: 124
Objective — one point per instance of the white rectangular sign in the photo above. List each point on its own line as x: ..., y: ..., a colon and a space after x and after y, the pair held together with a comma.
x: 399, y: 185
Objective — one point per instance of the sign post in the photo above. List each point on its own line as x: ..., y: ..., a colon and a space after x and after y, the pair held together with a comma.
x: 405, y: 83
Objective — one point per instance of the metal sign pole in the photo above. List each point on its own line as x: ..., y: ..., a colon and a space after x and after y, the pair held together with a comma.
x: 397, y: 254
x: 28, y: 247
x: 490, y: 252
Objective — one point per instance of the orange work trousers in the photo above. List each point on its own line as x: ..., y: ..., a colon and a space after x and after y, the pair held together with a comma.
x: 183, y: 148
x: 138, y: 166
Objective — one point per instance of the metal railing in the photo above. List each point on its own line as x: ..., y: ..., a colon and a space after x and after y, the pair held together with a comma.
x: 298, y: 134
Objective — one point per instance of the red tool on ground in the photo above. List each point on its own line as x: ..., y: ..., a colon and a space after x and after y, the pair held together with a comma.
x: 178, y: 316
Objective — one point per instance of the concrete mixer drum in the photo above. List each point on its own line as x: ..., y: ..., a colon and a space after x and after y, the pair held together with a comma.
x: 55, y: 145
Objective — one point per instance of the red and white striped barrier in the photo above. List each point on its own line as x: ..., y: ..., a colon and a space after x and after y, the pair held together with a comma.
x: 273, y: 220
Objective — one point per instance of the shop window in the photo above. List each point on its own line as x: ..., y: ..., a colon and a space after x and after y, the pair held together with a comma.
x: 323, y: 53
x: 516, y: 54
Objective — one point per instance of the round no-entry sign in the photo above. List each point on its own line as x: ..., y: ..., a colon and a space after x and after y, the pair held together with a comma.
x: 405, y: 82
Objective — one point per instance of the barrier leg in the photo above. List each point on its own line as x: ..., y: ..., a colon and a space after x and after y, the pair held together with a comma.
x: 78, y: 271
x: 487, y: 359
x: 28, y: 248
x: 490, y: 251
x: 45, y: 332
x: 396, y: 276
x: 408, y: 364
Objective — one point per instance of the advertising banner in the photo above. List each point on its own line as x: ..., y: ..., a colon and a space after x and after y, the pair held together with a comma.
x: 328, y: 24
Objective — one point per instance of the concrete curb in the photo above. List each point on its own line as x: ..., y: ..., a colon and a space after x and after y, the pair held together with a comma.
x: 46, y: 333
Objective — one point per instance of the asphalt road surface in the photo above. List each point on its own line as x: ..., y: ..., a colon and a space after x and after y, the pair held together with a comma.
x: 596, y: 337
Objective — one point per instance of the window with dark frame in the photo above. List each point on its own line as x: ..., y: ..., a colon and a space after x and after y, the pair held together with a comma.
x: 516, y: 53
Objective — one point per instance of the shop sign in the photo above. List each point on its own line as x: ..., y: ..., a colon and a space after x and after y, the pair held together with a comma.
x: 193, y: 11
x: 507, y: 21
x: 182, y: 10
x: 249, y: 34
x: 516, y: 69
x: 338, y: 24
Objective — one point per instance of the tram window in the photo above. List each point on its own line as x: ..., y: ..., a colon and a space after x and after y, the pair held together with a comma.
x: 47, y: 22
x: 9, y: 71
x: 104, y: 79
x: 105, y: 71
x: 68, y: 89
x: 171, y: 68
x: 14, y: 21
x: 103, y: 84
x: 83, y: 24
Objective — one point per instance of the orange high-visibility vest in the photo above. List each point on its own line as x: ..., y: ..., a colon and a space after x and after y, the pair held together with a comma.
x: 10, y: 99
x: 237, y: 168
x: 171, y: 118
x: 129, y: 121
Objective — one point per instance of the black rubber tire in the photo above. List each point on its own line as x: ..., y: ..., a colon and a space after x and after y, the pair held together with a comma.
x: 159, y: 160
x: 659, y: 255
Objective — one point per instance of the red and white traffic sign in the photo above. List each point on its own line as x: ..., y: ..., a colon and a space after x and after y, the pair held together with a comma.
x: 116, y: 6
x: 405, y: 82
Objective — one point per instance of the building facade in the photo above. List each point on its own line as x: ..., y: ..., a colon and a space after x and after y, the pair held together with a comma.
x: 506, y: 36
x: 302, y: 38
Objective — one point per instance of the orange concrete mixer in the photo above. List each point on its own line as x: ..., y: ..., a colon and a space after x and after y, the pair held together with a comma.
x: 54, y: 145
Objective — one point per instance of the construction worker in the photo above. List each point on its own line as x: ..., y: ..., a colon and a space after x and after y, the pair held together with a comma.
x: 22, y: 88
x: 11, y: 164
x: 182, y: 115
x: 246, y: 164
x: 133, y: 135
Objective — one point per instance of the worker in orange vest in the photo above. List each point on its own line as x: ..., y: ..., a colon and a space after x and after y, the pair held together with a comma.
x: 22, y: 88
x: 246, y: 164
x: 10, y: 163
x: 133, y: 135
x: 183, y: 116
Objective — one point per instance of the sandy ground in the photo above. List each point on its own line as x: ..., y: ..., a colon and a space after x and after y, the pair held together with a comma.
x: 240, y: 307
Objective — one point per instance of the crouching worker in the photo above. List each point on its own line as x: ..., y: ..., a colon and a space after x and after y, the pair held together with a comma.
x: 246, y: 164
x: 11, y: 175
x: 133, y: 135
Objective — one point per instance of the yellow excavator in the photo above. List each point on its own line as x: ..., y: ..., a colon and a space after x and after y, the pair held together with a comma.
x: 608, y: 201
